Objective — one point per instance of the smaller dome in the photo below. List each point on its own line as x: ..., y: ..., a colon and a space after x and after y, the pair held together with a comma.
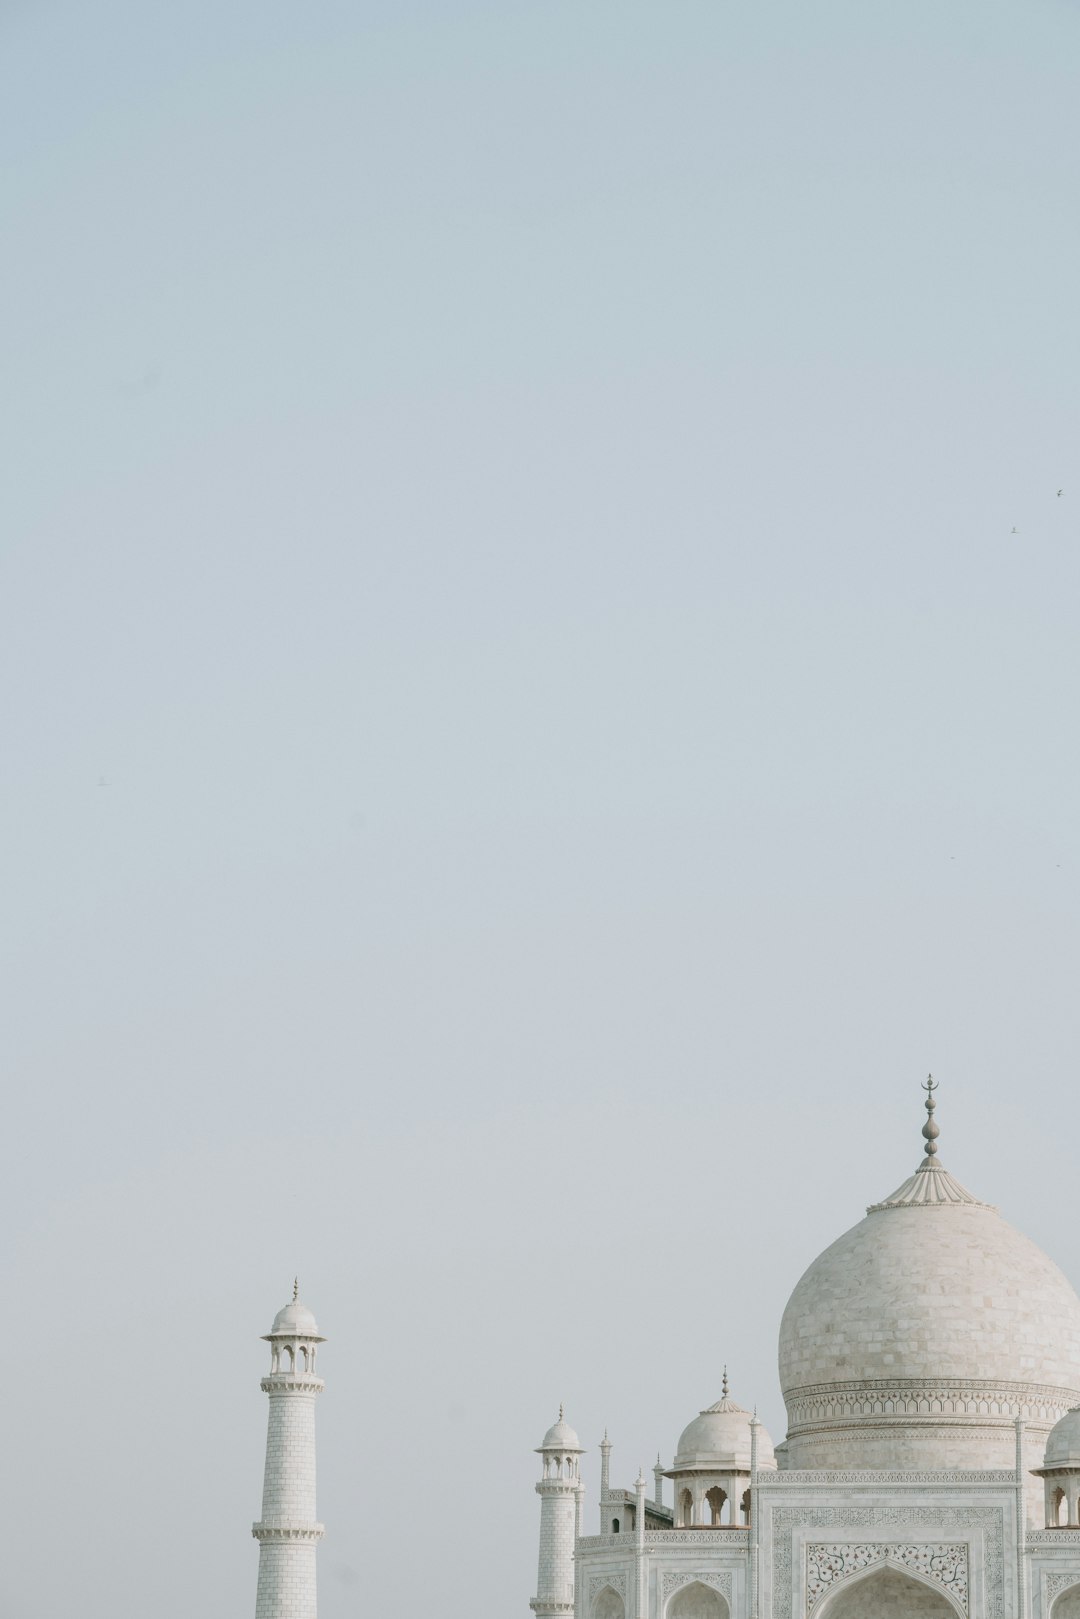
x: 1063, y: 1441
x: 560, y: 1436
x: 295, y: 1320
x: 718, y: 1440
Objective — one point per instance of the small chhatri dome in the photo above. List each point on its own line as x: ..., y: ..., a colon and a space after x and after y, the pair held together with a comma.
x: 561, y: 1437
x: 1063, y: 1441
x: 718, y: 1439
x: 295, y: 1320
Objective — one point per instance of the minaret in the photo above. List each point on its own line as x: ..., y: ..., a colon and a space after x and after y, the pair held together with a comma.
x: 658, y: 1485
x: 605, y: 1468
x: 558, y: 1492
x: 287, y: 1531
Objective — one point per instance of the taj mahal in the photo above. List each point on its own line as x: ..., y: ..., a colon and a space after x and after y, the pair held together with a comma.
x: 930, y: 1366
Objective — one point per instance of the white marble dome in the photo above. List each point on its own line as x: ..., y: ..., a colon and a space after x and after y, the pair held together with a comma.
x: 1063, y: 1445
x: 718, y: 1440
x: 294, y: 1320
x: 918, y: 1337
x: 561, y: 1437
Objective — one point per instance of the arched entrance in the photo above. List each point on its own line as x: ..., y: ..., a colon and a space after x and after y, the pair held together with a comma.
x: 608, y: 1605
x: 1067, y: 1605
x: 698, y: 1601
x: 887, y: 1590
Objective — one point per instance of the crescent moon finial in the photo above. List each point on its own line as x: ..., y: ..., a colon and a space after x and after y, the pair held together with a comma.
x: 930, y: 1129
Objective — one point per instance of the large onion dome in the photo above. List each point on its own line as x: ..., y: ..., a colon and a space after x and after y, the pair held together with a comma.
x: 921, y: 1334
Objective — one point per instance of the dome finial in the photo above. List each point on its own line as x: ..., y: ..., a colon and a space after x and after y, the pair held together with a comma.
x: 723, y: 1386
x: 560, y: 1411
x: 295, y: 1288
x: 930, y: 1130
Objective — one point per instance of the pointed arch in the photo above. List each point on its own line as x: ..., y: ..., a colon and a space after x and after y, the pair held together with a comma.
x: 697, y: 1601
x: 1067, y: 1604
x: 871, y: 1589
x: 608, y: 1604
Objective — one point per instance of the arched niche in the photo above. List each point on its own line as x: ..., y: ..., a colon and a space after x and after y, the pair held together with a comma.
x: 608, y: 1605
x: 1067, y: 1605
x: 891, y: 1590
x: 697, y: 1601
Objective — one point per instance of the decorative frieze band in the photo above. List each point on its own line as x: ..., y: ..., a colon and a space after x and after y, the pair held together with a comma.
x: 288, y: 1383
x: 718, y: 1538
x: 671, y: 1539
x: 830, y: 1402
x: 986, y: 1477
x: 288, y: 1531
x: 827, y: 1563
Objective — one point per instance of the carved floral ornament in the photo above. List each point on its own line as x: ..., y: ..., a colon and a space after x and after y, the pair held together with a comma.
x: 829, y: 1564
x: 906, y: 1522
x: 600, y: 1582
x: 674, y: 1580
x: 1054, y: 1584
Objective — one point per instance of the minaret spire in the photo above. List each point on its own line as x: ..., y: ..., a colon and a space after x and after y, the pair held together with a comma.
x: 931, y: 1182
x: 930, y: 1129
x: 723, y: 1386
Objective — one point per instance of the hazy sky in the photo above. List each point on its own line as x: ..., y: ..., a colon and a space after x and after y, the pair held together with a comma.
x: 526, y: 732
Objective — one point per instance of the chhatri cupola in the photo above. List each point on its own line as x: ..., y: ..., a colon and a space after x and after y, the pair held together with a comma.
x: 713, y: 1464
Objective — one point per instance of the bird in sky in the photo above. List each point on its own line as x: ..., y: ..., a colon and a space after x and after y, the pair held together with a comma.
x: 1016, y: 531
x: 1060, y: 493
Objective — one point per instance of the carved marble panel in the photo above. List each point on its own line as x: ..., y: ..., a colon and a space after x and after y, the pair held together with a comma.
x: 599, y: 1581
x: 906, y: 1523
x: 1054, y: 1584
x: 673, y: 1579
x: 829, y: 1562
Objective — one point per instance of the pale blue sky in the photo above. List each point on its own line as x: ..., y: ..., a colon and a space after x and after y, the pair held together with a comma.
x: 526, y: 730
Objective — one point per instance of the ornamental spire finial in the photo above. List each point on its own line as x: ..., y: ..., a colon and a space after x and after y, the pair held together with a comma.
x: 295, y: 1289
x: 930, y: 1130
x: 724, y: 1386
x: 560, y: 1410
